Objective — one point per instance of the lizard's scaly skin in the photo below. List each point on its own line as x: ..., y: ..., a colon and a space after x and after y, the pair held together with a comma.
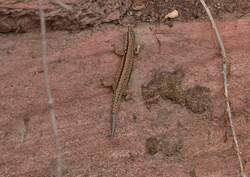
x: 123, y: 77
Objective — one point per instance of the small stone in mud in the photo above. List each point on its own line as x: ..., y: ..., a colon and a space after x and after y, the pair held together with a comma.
x: 198, y: 99
x: 138, y: 6
x: 152, y: 145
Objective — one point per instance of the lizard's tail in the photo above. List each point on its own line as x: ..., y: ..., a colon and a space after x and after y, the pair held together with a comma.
x: 113, y: 125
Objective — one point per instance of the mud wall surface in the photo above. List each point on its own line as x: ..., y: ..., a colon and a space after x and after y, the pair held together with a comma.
x: 173, y: 125
x: 173, y: 120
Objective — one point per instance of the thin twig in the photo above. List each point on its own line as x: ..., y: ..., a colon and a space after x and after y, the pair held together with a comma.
x: 157, y: 24
x: 60, y: 3
x: 227, y: 101
x: 48, y: 89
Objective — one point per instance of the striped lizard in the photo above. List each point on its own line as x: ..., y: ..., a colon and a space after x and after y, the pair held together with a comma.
x: 123, y: 75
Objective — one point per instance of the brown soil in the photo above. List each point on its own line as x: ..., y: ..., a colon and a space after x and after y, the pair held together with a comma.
x: 174, y: 125
x: 21, y: 15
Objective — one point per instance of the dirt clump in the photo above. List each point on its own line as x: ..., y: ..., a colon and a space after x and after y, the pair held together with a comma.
x: 16, y: 17
x: 171, y: 86
x: 152, y: 145
x: 17, y: 20
x: 166, y: 145
x: 165, y: 84
x: 198, y: 99
x: 168, y: 85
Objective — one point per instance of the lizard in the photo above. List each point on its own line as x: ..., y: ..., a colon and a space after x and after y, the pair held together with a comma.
x: 123, y: 75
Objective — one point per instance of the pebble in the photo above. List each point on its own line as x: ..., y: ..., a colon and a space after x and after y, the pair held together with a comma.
x: 172, y: 14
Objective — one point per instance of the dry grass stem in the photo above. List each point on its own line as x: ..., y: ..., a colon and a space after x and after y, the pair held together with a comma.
x: 227, y: 101
x: 49, y: 93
